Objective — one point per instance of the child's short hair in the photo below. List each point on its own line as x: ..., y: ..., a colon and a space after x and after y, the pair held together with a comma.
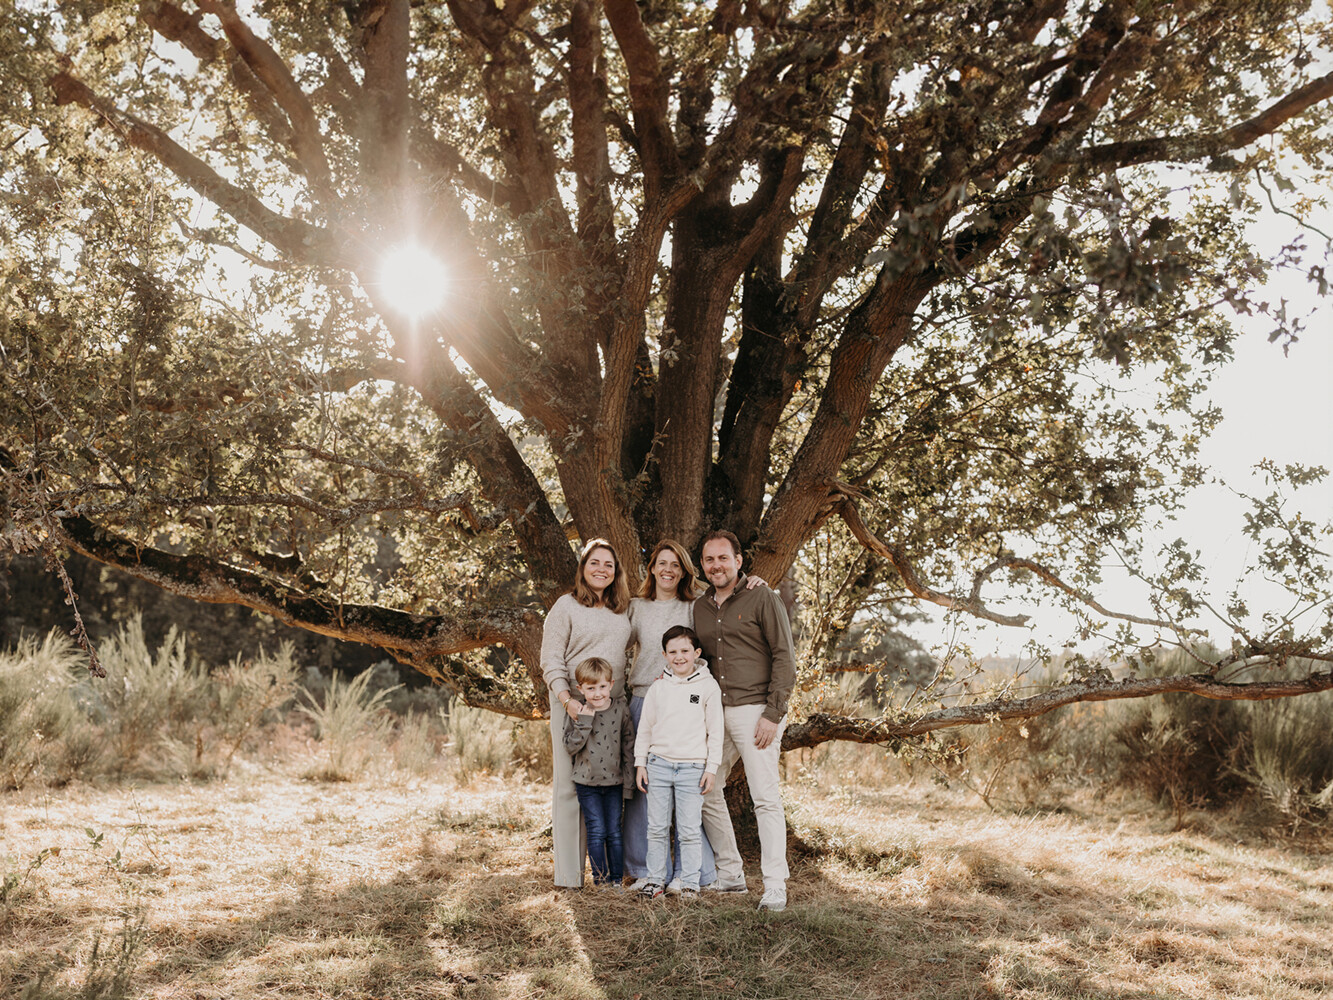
x: 592, y: 670
x: 676, y: 631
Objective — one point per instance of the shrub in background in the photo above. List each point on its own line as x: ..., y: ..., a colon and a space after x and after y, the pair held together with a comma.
x: 44, y: 735
x: 414, y: 745
x: 150, y: 706
x: 351, y: 722
x: 481, y: 741
x: 251, y: 692
x: 1289, y: 757
x: 1194, y: 751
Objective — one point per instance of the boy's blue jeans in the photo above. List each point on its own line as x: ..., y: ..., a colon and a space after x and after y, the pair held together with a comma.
x: 671, y: 782
x: 602, y: 806
x: 636, y: 830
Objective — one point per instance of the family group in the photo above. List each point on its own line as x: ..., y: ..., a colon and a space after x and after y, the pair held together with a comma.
x: 653, y: 700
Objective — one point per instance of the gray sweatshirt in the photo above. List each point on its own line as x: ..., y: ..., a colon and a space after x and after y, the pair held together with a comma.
x: 602, y: 746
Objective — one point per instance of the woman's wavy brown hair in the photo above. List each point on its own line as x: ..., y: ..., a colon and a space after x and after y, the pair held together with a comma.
x: 616, y: 596
x: 688, y: 586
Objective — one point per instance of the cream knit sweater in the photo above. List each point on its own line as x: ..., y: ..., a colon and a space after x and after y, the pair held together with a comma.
x: 572, y: 634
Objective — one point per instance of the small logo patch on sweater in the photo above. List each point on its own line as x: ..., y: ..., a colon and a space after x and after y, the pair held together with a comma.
x: 694, y: 699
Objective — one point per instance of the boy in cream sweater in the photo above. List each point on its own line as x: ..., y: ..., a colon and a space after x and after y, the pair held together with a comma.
x: 676, y: 755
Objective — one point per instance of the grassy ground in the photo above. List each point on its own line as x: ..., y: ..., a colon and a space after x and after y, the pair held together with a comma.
x: 396, y: 887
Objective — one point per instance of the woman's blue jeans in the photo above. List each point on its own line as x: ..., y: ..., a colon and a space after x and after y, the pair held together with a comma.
x: 601, y: 805
x: 636, y: 830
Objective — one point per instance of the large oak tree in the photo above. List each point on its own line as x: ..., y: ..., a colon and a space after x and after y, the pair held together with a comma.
x: 860, y: 281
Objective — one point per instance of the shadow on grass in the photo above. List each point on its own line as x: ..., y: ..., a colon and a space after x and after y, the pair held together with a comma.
x: 870, y: 925
x: 471, y: 914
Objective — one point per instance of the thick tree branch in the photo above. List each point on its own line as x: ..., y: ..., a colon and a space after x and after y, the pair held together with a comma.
x: 871, y: 334
x: 648, y: 91
x: 506, y: 479
x: 591, y: 152
x: 822, y: 728
x: 268, y: 66
x: 421, y: 637
x: 384, y: 120
x: 302, y: 242
x: 174, y: 24
x: 1201, y: 146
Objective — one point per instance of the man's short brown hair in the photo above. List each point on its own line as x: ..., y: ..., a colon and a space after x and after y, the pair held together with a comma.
x: 722, y: 533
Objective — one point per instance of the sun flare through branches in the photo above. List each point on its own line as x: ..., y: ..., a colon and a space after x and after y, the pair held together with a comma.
x: 413, y: 281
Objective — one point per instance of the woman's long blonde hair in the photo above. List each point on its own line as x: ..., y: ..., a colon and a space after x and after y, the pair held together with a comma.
x: 616, y: 595
x: 688, y: 586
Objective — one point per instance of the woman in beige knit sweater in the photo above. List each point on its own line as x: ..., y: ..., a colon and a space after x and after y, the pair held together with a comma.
x: 589, y: 621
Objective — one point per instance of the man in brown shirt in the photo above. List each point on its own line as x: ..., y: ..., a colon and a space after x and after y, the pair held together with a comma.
x: 746, y: 638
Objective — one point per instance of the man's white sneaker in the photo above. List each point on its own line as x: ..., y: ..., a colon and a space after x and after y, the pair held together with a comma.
x: 650, y: 890
x: 720, y: 886
x: 774, y: 900
x: 636, y: 885
x: 673, y: 887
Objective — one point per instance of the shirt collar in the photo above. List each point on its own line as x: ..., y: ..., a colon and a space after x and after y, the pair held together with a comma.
x: 711, y: 592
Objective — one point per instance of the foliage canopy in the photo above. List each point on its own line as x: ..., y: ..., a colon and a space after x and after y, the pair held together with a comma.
x: 860, y: 281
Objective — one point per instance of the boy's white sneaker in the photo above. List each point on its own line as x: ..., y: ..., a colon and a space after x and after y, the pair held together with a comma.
x: 636, y: 885
x: 673, y: 887
x: 651, y: 890
x: 774, y: 899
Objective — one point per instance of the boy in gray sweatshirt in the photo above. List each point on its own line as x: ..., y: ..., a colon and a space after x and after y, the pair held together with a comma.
x: 601, y: 743
x: 676, y: 755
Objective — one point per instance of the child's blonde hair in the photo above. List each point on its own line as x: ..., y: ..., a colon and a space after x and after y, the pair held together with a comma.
x: 592, y: 670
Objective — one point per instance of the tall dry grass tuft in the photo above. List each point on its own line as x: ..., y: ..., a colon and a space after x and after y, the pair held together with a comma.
x: 482, y: 742
x: 1290, y: 755
x: 351, y: 723
x: 414, y: 746
x: 249, y: 693
x: 151, y: 706
x: 44, y: 736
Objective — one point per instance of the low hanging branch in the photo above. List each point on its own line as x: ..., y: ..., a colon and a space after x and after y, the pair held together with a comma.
x: 421, y: 640
x: 822, y: 728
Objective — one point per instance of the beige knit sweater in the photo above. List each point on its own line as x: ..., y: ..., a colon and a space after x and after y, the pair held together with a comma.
x: 648, y: 619
x: 572, y: 634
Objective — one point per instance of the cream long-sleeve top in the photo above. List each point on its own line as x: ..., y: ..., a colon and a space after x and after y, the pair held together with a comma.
x: 682, y: 720
x: 573, y: 633
x: 648, y: 619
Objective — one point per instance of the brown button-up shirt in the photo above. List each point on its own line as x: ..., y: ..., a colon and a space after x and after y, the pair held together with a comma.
x: 747, y: 642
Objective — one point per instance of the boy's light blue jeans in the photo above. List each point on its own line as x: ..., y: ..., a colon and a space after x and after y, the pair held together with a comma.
x: 675, y: 783
x: 636, y: 829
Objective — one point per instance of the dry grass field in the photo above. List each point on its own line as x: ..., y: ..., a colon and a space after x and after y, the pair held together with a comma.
x: 400, y: 886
